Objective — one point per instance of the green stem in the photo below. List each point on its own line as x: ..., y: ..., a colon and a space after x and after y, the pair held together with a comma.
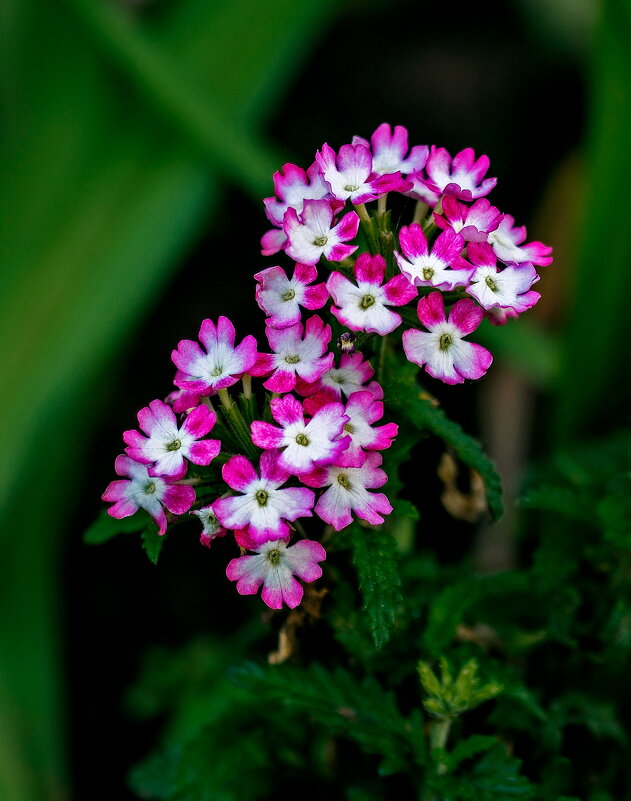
x: 382, y: 204
x: 438, y: 734
x: 420, y: 212
x: 239, y: 425
x: 361, y: 209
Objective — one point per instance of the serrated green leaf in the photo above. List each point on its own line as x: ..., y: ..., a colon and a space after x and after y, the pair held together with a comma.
x: 468, y: 748
x: 374, y: 556
x: 105, y: 527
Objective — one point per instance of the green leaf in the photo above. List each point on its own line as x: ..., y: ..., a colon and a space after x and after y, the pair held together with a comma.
x: 446, y: 613
x: 374, y: 556
x: 105, y: 527
x: 152, y: 542
x: 359, y: 710
x: 495, y: 777
x: 404, y: 396
x: 468, y: 748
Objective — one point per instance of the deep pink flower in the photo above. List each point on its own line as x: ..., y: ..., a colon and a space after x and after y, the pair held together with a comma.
x: 281, y: 297
x: 298, y: 354
x: 462, y: 176
x: 180, y: 400
x: 362, y: 306
x: 262, y: 507
x: 211, y: 527
x: 507, y: 240
x: 275, y: 566
x: 362, y: 410
x: 509, y: 288
x: 473, y: 223
x: 314, y: 233
x: 293, y: 186
x: 390, y: 151
x: 219, y: 365
x: 443, y: 267
x: 348, y: 492
x: 142, y: 491
x: 303, y: 445
x: 351, y: 177
x: 167, y: 446
x: 443, y: 351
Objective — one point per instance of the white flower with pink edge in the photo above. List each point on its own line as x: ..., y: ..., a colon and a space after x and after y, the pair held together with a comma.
x: 211, y: 527
x: 390, y: 151
x: 167, y: 446
x: 347, y: 492
x: 442, y: 267
x: 303, y: 445
x: 315, y: 234
x: 262, y: 507
x: 443, y: 351
x: 281, y: 297
x: 220, y: 365
x: 506, y: 240
x: 509, y: 288
x: 362, y: 306
x: 298, y: 354
x: 142, y: 491
x: 462, y: 176
x: 350, y: 175
x: 275, y: 566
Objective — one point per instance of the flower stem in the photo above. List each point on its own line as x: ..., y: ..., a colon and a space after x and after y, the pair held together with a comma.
x: 239, y: 425
x: 438, y: 734
x: 420, y: 211
x: 382, y: 204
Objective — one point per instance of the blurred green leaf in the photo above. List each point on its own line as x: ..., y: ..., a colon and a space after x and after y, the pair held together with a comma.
x: 106, y: 527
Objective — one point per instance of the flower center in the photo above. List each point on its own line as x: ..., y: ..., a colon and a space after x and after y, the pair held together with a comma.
x: 445, y: 341
x: 292, y: 359
x: 492, y: 285
x: 262, y: 496
x: 274, y: 556
x: 175, y: 445
x: 428, y: 272
x: 349, y: 429
x: 351, y: 188
x: 289, y: 295
x: 150, y: 488
x: 320, y: 241
x: 211, y: 520
x: 343, y: 481
x: 217, y: 371
x: 366, y: 302
x: 301, y: 439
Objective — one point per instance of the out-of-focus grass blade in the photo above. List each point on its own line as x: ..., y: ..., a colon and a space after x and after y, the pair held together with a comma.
x: 98, y: 201
x: 595, y: 360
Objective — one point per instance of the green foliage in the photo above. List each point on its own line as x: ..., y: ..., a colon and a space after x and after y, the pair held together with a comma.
x: 379, y: 582
x: 450, y: 696
x: 105, y: 527
x: 495, y: 777
x: 405, y: 398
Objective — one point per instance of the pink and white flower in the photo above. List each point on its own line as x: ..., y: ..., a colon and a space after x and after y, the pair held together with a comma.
x: 462, y: 176
x: 362, y: 410
x: 220, y: 365
x: 352, y: 374
x: 298, y: 354
x: 315, y: 234
x: 509, y: 288
x: 304, y: 445
x: 262, y: 507
x: 139, y: 490
x: 506, y: 240
x: 350, y: 175
x: 292, y: 186
x: 211, y: 527
x: 275, y: 566
x: 473, y: 223
x: 443, y: 351
x: 281, y: 297
x: 390, y: 151
x: 182, y: 401
x: 348, y: 492
x: 362, y: 306
x: 443, y: 267
x: 167, y: 445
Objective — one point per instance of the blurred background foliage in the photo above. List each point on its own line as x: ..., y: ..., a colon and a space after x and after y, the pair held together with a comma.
x: 137, y: 141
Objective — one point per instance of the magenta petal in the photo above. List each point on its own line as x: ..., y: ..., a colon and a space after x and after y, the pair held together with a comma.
x: 271, y: 470
x: 413, y: 241
x: 281, y: 381
x: 208, y: 334
x: 265, y: 435
x: 431, y: 310
x: 347, y: 227
x: 238, y: 472
x: 199, y: 422
x: 315, y: 296
x: 204, y: 451
x: 286, y: 410
x: 399, y: 291
x: 371, y: 269
x: 116, y: 491
x: 466, y: 315
x: 264, y: 364
x: 178, y: 498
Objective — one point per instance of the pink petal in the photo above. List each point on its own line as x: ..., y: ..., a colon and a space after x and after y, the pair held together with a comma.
x: 466, y: 315
x: 371, y: 269
x: 265, y: 435
x: 178, y: 498
x: 199, y: 422
x: 431, y: 310
x: 286, y: 410
x: 204, y: 451
x: 238, y: 473
x: 399, y: 291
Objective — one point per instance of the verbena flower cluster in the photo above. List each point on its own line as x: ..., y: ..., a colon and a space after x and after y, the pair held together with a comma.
x: 315, y: 448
